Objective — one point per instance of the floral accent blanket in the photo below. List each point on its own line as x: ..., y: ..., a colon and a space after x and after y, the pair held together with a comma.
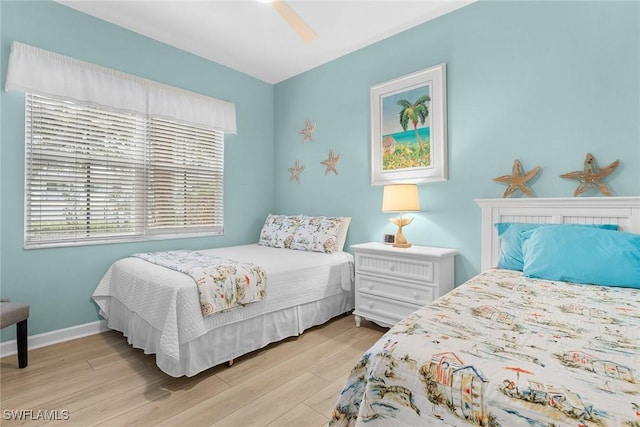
x: 222, y: 283
x: 504, y: 350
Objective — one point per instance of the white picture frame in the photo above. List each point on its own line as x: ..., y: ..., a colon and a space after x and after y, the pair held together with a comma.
x: 407, y: 145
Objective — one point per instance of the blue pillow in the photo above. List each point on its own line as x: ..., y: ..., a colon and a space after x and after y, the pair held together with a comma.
x: 511, y: 257
x: 583, y: 255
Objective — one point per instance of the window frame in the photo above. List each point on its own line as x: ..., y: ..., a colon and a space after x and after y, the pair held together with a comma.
x: 142, y: 229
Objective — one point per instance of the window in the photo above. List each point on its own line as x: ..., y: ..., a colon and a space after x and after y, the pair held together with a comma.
x: 111, y: 156
x: 96, y: 175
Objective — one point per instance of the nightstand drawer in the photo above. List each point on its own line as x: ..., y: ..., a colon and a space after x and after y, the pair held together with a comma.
x: 382, y: 309
x: 413, y: 269
x: 408, y: 292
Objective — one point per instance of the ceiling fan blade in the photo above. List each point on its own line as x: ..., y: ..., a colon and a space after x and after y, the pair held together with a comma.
x: 294, y: 20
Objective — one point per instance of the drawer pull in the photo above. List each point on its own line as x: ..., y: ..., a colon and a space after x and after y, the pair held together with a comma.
x: 415, y: 295
x: 370, y: 286
x: 392, y: 267
x: 370, y: 304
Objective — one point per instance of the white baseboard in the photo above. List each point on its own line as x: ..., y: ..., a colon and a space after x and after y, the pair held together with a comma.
x: 8, y: 348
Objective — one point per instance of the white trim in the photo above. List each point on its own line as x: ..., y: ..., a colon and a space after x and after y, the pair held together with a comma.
x: 561, y: 202
x: 624, y: 211
x: 8, y: 348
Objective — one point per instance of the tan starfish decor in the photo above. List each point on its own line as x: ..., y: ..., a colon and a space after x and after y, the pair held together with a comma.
x: 517, y: 180
x: 591, y: 176
x: 330, y: 163
x: 295, y: 171
x: 307, y: 132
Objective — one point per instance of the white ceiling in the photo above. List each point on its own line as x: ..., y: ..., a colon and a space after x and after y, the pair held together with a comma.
x: 251, y: 37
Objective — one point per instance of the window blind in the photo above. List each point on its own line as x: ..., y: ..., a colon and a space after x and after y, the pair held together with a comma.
x: 97, y: 175
x: 185, y: 185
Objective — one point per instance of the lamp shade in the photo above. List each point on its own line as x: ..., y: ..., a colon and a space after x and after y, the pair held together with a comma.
x: 400, y: 198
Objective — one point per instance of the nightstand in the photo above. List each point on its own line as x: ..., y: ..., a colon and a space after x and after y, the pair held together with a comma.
x: 394, y: 282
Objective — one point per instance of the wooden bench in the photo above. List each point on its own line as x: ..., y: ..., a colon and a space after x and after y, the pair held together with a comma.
x: 10, y: 313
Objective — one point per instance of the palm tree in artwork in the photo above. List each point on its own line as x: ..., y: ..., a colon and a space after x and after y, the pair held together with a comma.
x: 416, y: 112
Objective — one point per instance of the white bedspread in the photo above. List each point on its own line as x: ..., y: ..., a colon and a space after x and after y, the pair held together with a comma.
x: 168, y: 300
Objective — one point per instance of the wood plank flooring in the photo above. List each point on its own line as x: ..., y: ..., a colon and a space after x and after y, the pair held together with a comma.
x: 102, y: 381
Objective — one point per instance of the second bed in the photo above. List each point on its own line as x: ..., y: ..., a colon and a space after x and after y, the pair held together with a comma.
x: 158, y: 309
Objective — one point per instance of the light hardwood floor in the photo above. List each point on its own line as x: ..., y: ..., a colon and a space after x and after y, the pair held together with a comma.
x: 101, y: 380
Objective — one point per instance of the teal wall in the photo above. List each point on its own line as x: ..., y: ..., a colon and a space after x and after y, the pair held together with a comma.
x: 58, y: 283
x: 542, y: 82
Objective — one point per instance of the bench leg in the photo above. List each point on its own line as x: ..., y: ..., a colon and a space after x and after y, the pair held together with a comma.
x: 22, y: 343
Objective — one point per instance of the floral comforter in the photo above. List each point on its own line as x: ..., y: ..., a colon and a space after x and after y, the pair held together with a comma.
x: 504, y: 350
x: 222, y: 284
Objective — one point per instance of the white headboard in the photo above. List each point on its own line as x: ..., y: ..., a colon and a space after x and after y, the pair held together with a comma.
x: 624, y: 211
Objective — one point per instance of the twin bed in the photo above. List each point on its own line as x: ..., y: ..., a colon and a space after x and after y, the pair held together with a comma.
x: 505, y: 349
x: 158, y: 309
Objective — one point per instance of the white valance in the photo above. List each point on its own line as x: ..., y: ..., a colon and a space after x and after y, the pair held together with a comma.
x: 41, y: 72
x: 170, y: 102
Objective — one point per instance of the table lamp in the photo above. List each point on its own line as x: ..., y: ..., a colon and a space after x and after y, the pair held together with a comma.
x: 400, y: 198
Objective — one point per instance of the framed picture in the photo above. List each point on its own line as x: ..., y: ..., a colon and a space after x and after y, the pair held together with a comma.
x: 409, y: 128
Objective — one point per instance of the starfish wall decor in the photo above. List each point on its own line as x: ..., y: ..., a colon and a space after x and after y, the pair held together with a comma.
x: 295, y: 171
x: 331, y: 162
x: 591, y: 176
x: 307, y: 132
x: 517, y: 180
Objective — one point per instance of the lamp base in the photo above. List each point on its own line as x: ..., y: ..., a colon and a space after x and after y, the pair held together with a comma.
x: 402, y: 245
x: 400, y: 240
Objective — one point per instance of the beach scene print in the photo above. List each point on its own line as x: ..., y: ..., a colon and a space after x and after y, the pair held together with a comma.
x: 406, y: 129
x: 504, y: 350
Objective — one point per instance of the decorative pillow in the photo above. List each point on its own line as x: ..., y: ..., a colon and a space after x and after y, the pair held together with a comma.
x: 342, y: 233
x: 511, y: 257
x: 278, y: 230
x: 583, y: 255
x: 317, y: 234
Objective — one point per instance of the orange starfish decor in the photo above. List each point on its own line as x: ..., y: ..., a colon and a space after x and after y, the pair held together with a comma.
x: 591, y: 176
x: 517, y: 180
